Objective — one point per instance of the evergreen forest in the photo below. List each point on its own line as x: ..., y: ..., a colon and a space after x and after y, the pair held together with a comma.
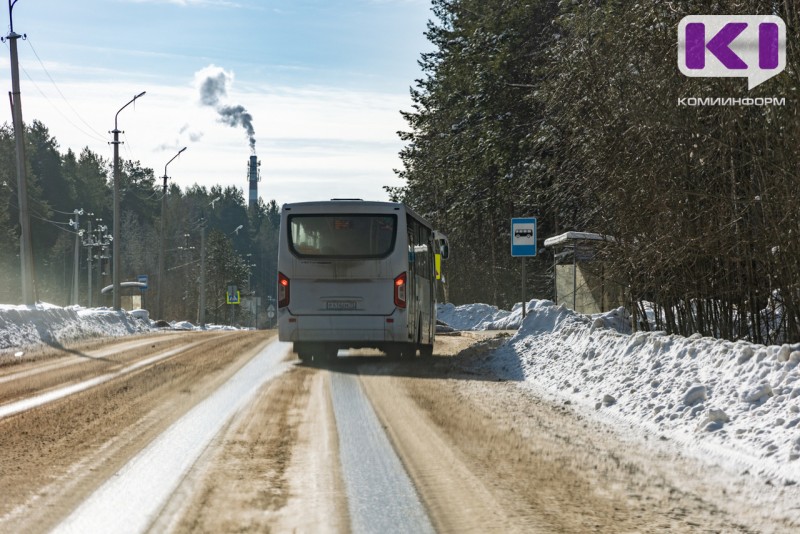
x: 241, y: 243
x: 575, y: 112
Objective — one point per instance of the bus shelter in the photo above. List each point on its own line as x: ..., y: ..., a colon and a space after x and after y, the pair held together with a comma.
x: 582, y: 280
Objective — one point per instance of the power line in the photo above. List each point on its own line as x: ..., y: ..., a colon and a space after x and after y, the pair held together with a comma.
x: 99, y: 135
x: 30, y: 79
x: 55, y: 224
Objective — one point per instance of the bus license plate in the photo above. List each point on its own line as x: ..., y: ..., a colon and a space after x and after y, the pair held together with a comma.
x: 341, y: 305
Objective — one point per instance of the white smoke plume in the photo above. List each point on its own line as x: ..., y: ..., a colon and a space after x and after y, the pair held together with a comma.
x: 213, y: 83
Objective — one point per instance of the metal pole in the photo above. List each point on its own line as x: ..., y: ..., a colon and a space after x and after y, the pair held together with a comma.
x: 574, y: 276
x: 76, y: 256
x: 201, y: 316
x: 162, y: 286
x: 89, y: 259
x: 25, y: 243
x: 116, y: 243
x: 102, y: 239
x: 162, y: 251
x: 523, y: 288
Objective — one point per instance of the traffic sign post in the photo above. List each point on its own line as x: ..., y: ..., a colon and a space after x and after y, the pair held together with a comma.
x: 232, y: 296
x: 523, y: 237
x: 523, y: 245
x: 142, y: 279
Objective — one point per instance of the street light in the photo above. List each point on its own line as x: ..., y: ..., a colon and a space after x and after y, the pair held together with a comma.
x: 201, y: 311
x: 161, y: 257
x: 115, y: 238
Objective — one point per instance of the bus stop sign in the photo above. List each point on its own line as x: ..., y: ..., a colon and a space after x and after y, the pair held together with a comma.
x: 523, y: 237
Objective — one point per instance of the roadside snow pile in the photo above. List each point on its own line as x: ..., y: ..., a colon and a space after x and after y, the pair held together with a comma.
x: 25, y: 326
x: 739, y: 402
x: 469, y: 316
x: 186, y: 325
x: 487, y: 317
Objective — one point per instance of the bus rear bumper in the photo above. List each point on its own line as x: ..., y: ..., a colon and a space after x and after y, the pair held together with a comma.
x: 340, y: 329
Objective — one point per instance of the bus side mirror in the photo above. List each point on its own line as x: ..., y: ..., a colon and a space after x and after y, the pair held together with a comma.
x: 441, y: 244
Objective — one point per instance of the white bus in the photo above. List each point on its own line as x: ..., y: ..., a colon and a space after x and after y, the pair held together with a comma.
x: 355, y: 274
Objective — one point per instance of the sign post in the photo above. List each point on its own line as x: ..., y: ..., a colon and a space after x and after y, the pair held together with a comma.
x: 143, y: 279
x: 232, y: 296
x: 523, y: 245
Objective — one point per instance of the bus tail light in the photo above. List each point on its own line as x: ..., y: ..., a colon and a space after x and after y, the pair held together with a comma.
x: 400, y: 287
x: 283, y: 290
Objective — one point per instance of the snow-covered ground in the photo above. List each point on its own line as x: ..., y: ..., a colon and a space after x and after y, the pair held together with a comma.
x: 24, y: 327
x: 737, y: 404
x: 28, y: 327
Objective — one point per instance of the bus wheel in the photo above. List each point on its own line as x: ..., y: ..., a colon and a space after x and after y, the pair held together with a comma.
x: 408, y: 351
x: 330, y: 354
x: 402, y: 351
x: 303, y: 352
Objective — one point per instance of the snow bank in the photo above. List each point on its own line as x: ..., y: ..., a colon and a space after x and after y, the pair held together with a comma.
x: 469, y: 316
x: 186, y: 325
x: 26, y: 326
x: 737, y: 401
x: 487, y: 317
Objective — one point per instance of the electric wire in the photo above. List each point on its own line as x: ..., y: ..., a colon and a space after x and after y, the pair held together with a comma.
x: 100, y: 136
x: 40, y: 216
x: 30, y: 79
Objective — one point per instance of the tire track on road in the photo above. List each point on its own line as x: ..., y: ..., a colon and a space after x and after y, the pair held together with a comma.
x: 381, y: 496
x: 23, y: 405
x: 130, y: 501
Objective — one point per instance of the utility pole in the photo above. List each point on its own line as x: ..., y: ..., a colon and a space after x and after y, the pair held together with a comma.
x: 76, y: 262
x: 253, y: 298
x: 101, y: 242
x: 162, y: 286
x: 90, y: 242
x: 15, y: 96
x: 116, y: 243
x: 103, y: 255
x: 201, y: 313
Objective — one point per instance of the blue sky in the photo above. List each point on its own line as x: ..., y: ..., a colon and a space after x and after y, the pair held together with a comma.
x: 324, y: 82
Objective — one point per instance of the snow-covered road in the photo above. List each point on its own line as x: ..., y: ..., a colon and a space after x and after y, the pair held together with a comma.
x: 131, y: 499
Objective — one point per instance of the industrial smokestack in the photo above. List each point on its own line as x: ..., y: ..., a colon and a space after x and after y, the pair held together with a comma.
x: 254, y: 176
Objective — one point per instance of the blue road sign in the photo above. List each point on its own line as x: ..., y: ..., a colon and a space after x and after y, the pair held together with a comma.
x: 523, y: 236
x: 143, y: 279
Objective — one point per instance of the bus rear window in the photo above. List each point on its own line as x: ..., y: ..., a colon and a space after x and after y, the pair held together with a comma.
x: 342, y: 235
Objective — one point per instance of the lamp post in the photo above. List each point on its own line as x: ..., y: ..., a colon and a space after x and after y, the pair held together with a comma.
x: 201, y: 312
x: 253, y: 299
x: 115, y: 239
x: 162, y: 254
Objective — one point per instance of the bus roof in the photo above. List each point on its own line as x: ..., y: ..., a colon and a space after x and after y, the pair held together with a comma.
x: 357, y: 205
